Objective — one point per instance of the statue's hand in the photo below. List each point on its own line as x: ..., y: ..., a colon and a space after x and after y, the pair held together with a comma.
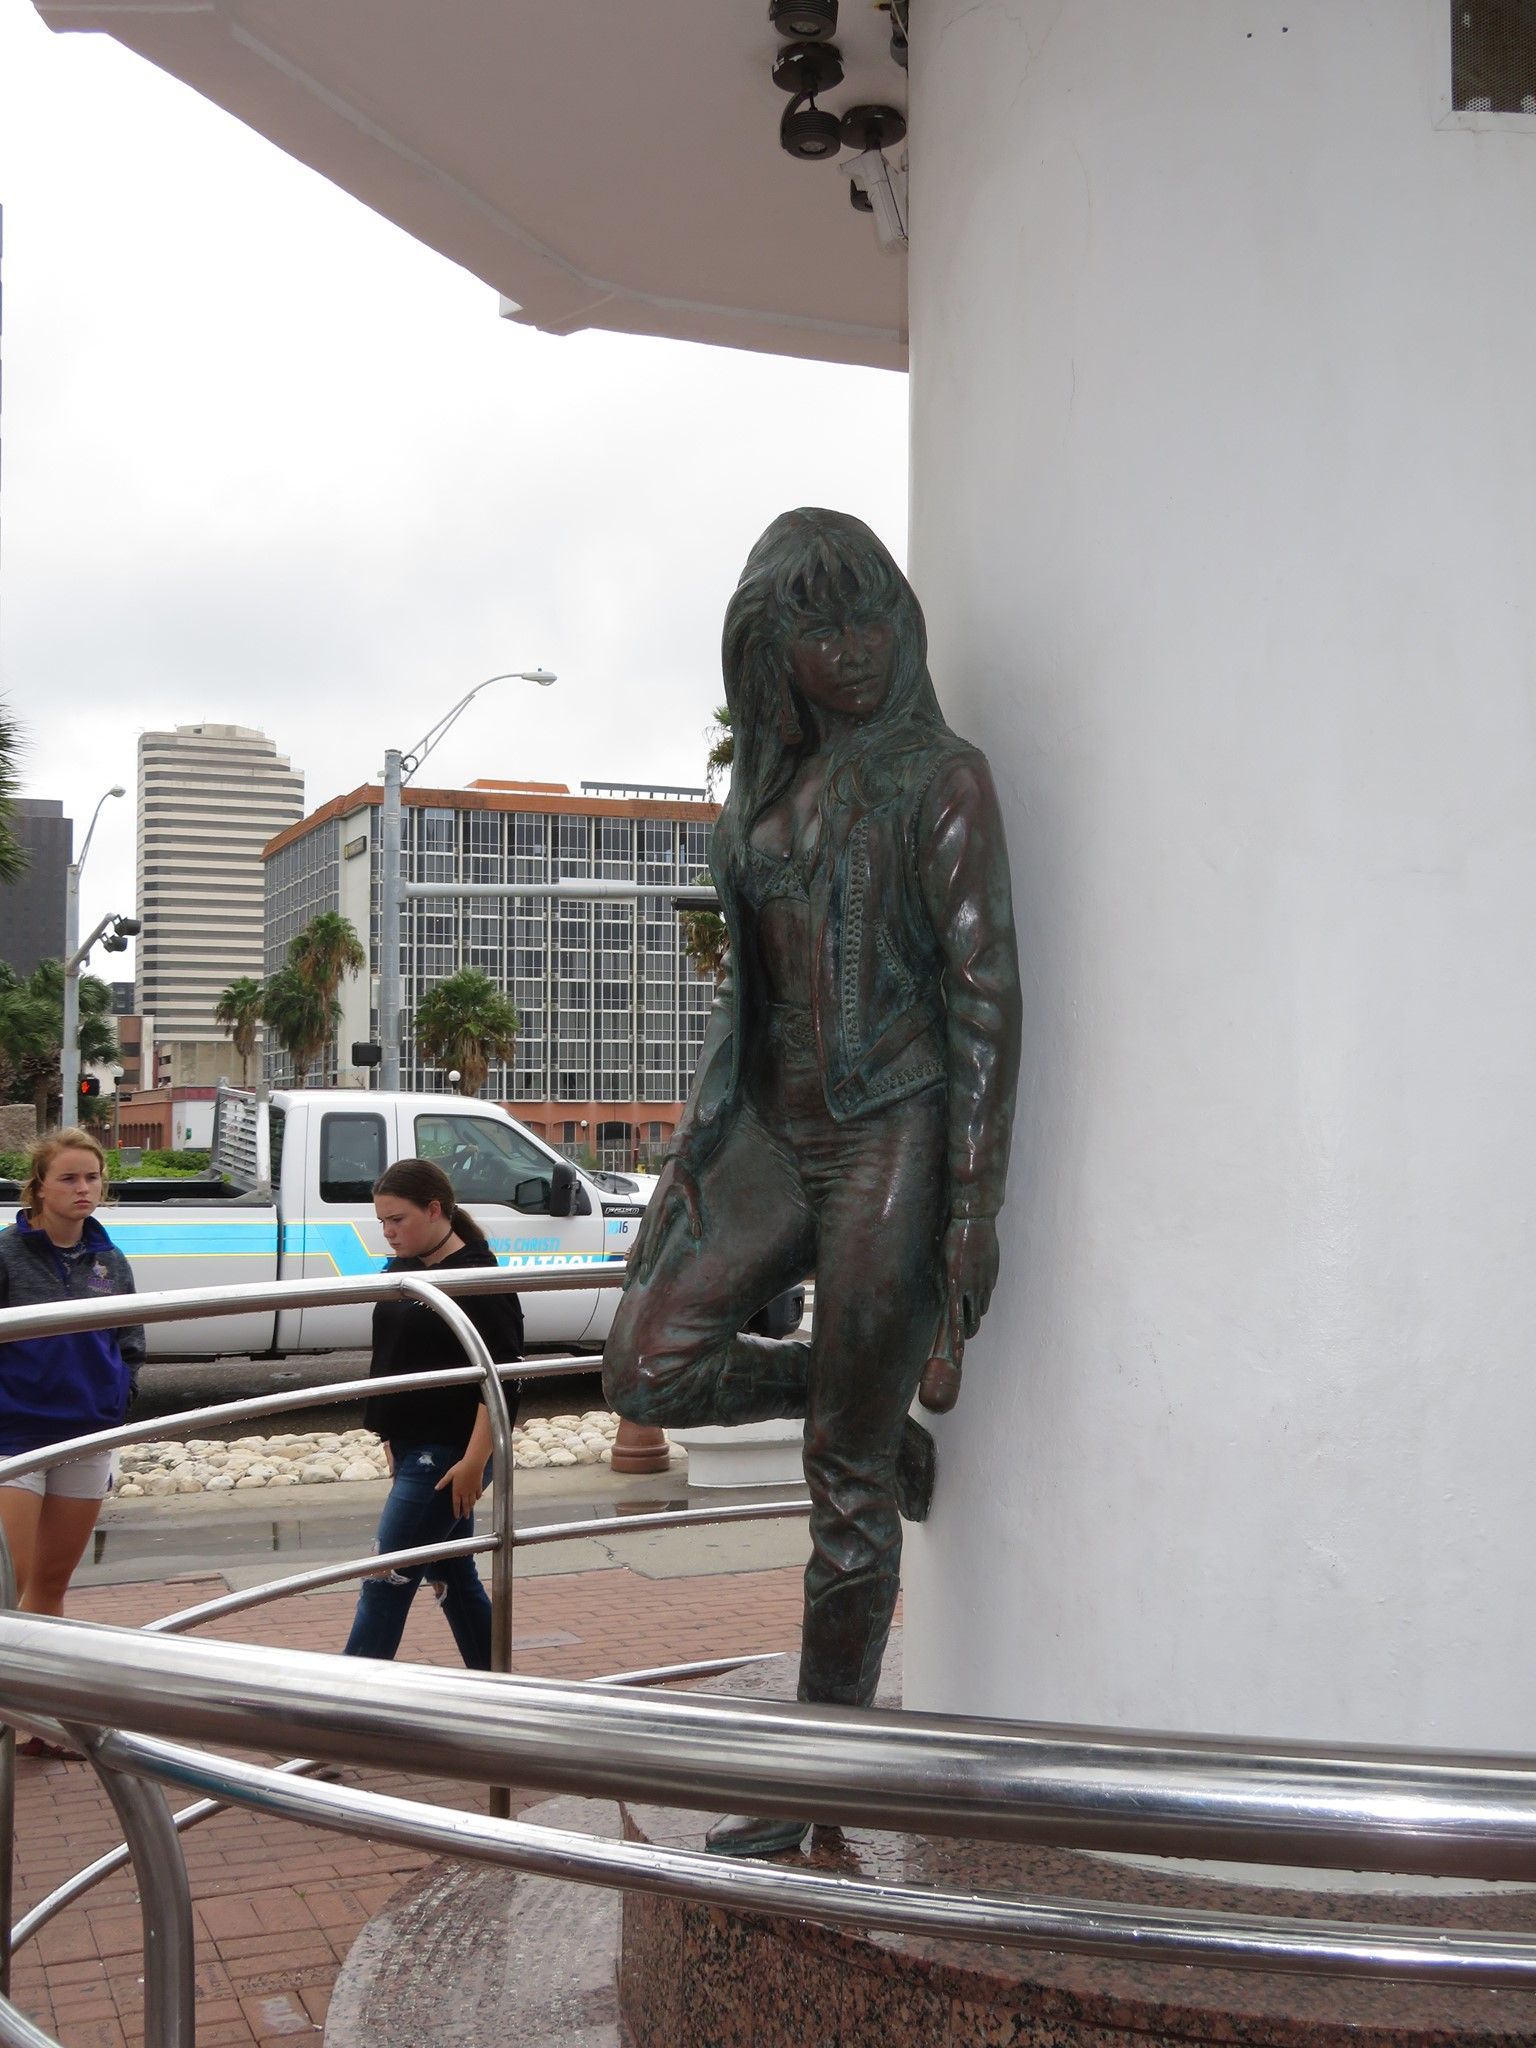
x: 970, y: 1274
x: 676, y: 1188
x: 970, y: 1268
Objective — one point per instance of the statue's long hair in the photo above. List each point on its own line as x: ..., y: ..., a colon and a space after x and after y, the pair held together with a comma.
x: 809, y: 565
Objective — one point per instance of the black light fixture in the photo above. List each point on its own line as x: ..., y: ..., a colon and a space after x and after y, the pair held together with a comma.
x: 804, y: 70
x: 873, y: 127
x: 806, y: 20
x: 808, y: 68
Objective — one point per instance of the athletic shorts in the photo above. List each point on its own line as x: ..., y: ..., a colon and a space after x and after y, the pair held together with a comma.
x: 88, y: 1478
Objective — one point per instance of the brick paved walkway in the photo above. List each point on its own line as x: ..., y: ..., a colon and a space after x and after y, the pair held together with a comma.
x: 277, y: 1906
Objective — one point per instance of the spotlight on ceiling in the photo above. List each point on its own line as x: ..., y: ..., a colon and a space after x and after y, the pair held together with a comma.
x: 804, y: 70
x: 808, y: 20
x: 807, y: 69
x: 808, y: 133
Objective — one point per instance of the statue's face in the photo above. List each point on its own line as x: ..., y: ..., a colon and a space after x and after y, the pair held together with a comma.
x: 844, y: 665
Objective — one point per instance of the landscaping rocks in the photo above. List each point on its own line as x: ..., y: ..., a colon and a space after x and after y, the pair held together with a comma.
x: 203, y: 1465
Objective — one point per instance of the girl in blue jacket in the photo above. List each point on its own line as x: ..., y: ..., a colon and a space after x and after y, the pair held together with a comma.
x: 53, y: 1388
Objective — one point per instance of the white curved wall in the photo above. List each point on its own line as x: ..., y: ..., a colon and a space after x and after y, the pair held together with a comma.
x: 1224, y: 494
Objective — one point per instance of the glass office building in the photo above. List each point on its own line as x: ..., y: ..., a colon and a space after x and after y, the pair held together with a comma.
x: 612, y: 1010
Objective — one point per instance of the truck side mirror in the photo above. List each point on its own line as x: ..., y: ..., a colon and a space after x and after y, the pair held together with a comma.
x: 532, y: 1196
x: 562, y: 1189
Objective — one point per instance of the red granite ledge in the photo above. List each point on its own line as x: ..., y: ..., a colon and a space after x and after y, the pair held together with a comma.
x: 892, y: 1987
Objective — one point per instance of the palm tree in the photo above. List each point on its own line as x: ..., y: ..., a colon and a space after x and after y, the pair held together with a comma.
x: 300, y: 1001
x: 32, y: 1032
x: 301, y: 1017
x: 13, y: 855
x: 239, y: 1010
x: 327, y: 951
x: 703, y: 931
x: 722, y: 747
x: 466, y: 1022
x: 29, y: 1038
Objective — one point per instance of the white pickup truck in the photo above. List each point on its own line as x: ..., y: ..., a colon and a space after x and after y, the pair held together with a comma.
x: 288, y: 1194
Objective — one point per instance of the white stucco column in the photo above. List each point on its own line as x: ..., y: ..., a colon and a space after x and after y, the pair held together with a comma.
x: 1224, y: 496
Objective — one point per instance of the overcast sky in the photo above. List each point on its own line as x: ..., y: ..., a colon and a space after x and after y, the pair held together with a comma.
x: 269, y: 461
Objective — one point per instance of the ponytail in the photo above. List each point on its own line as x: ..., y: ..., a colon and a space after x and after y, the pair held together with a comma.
x: 468, y: 1228
x: 422, y: 1182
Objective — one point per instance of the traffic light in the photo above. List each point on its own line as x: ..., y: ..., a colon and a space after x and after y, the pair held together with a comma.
x: 89, y: 1085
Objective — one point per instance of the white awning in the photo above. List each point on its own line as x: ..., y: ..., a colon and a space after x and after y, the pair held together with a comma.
x: 601, y: 163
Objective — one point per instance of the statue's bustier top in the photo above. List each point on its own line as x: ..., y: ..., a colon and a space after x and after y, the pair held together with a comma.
x: 768, y: 875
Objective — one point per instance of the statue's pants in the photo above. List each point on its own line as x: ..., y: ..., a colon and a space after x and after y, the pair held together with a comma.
x: 864, y: 1205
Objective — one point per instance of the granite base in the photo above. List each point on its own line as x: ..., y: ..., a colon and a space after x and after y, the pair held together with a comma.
x: 692, y: 1976
x: 468, y: 1955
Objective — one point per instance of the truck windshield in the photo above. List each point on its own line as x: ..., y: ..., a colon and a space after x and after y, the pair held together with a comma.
x: 486, y: 1161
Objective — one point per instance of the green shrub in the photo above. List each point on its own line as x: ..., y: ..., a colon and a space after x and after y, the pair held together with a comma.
x: 154, y: 1166
x: 175, y: 1162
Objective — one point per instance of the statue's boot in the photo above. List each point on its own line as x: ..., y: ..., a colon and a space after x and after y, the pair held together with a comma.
x: 915, y: 1466
x: 755, y: 1834
x: 764, y: 1380
x: 843, y: 1642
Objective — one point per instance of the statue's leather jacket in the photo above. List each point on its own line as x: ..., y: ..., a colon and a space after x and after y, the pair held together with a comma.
x: 915, y: 973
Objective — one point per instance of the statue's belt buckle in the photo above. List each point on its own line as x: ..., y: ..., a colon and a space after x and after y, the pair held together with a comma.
x: 790, y: 1027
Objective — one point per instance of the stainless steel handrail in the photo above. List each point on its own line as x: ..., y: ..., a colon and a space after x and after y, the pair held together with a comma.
x: 435, y: 1292
x: 313, y: 1580
x: 319, y: 1576
x: 105, y: 1312
x: 91, y: 1874
x: 17, y: 2031
x: 163, y: 1973
x: 250, y: 1406
x: 662, y: 1518
x: 1433, y: 1813
x: 1170, y: 1934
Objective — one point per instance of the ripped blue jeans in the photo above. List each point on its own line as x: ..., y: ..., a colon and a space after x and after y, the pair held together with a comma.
x: 416, y: 1513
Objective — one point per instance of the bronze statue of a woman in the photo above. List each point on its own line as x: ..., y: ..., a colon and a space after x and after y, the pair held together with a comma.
x: 851, y: 1109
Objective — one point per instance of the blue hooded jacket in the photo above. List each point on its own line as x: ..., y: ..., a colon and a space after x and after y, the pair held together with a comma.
x: 57, y: 1387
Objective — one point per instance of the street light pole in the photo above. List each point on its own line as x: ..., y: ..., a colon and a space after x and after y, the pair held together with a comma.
x: 389, y: 925
x: 398, y: 769
x: 74, y: 959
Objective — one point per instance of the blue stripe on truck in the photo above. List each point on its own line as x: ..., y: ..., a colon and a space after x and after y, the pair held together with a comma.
x: 342, y: 1245
x: 256, y: 1238
x: 217, y: 1238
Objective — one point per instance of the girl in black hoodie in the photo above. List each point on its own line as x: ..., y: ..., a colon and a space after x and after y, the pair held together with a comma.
x: 438, y: 1440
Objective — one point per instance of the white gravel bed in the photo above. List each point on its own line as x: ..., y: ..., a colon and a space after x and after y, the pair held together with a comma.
x: 201, y: 1465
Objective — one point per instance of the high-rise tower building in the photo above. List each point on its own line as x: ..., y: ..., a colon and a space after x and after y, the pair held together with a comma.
x: 210, y: 797
x: 32, y: 907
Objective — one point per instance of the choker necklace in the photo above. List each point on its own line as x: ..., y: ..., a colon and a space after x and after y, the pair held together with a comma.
x: 428, y: 1257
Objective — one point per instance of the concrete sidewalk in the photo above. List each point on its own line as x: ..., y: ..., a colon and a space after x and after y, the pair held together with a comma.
x: 277, y: 1906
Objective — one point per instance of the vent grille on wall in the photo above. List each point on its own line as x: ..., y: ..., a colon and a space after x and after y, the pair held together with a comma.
x: 1493, y: 56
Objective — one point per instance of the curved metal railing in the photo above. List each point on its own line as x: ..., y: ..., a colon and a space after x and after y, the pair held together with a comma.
x: 1429, y: 1813
x: 504, y: 1539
